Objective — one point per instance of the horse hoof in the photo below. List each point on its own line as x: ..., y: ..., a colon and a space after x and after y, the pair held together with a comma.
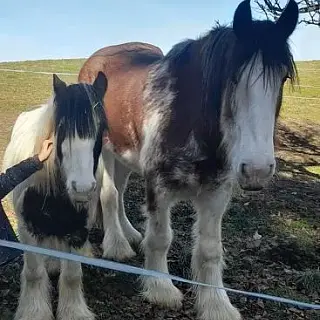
x: 222, y: 312
x: 34, y: 316
x: 162, y: 292
x: 117, y: 248
x: 75, y: 314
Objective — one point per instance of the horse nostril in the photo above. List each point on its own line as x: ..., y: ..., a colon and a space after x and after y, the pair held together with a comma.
x: 271, y: 166
x: 74, y: 185
x: 244, y: 169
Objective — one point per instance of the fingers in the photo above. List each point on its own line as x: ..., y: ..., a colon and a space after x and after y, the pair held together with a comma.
x: 48, y: 144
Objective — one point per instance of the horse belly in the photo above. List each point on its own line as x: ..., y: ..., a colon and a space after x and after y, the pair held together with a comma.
x: 129, y: 157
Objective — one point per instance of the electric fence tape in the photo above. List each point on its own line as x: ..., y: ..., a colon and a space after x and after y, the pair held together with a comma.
x: 121, y: 267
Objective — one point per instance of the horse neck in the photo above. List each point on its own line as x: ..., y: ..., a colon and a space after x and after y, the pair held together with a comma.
x: 193, y: 113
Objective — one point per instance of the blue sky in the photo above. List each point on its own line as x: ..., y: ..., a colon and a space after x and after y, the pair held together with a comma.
x: 45, y: 29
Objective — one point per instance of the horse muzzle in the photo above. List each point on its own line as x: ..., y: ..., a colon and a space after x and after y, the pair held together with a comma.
x: 81, y: 194
x: 254, y: 178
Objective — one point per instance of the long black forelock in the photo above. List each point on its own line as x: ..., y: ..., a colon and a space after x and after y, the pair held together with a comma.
x: 78, y: 110
x: 224, y: 59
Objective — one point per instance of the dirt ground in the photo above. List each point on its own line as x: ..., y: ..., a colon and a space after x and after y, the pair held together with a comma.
x: 286, y: 215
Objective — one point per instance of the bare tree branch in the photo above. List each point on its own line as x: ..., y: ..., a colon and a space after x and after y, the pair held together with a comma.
x: 309, y: 10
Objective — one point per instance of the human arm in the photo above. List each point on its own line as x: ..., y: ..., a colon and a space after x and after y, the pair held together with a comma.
x: 23, y: 170
x: 17, y: 174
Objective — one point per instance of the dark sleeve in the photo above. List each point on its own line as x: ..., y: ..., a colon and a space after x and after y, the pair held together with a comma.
x: 17, y: 174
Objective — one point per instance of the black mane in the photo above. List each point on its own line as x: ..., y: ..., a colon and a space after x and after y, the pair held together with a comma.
x: 205, y: 73
x: 224, y: 58
x: 79, y: 110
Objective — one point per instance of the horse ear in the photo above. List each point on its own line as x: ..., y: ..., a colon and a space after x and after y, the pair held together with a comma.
x: 58, y: 84
x: 101, y: 84
x: 242, y: 20
x: 288, y: 20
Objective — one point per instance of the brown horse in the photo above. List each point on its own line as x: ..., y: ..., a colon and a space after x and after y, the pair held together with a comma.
x: 193, y: 123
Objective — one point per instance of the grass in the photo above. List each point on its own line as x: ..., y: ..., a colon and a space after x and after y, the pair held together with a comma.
x: 310, y: 281
x: 59, y: 65
x: 300, y: 229
x: 313, y: 169
x: 308, y: 87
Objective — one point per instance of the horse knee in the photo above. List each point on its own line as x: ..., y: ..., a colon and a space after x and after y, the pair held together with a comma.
x: 33, y: 275
x: 208, y: 251
x: 158, y: 240
x: 71, y: 281
x: 71, y: 276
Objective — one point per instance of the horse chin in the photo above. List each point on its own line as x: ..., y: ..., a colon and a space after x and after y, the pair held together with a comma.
x: 80, y: 201
x: 250, y: 186
x: 253, y: 188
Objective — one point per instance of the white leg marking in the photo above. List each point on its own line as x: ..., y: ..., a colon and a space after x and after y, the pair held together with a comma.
x: 34, y: 300
x: 207, y: 257
x: 156, y: 245
x: 52, y: 264
x: 121, y: 179
x: 115, y: 245
x: 72, y: 304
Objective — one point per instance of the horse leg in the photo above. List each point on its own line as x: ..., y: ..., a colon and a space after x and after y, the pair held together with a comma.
x: 72, y: 304
x: 115, y: 245
x: 156, y: 245
x: 122, y: 174
x: 34, y: 300
x: 207, y: 257
x: 52, y: 264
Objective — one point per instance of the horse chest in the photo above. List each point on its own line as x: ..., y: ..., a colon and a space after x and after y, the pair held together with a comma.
x: 184, y: 175
x: 50, y: 216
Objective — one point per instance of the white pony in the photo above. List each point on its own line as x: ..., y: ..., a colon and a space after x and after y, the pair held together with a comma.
x: 57, y: 205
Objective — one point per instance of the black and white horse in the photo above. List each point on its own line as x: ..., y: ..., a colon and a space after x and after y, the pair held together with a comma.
x: 193, y: 122
x: 56, y: 206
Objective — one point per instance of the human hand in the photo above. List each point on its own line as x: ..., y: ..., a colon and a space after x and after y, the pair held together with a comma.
x: 46, y: 150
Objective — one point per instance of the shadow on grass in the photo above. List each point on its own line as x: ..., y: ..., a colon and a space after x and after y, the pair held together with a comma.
x: 302, y: 142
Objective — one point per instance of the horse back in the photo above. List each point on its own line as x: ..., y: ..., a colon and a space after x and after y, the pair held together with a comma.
x: 126, y: 67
